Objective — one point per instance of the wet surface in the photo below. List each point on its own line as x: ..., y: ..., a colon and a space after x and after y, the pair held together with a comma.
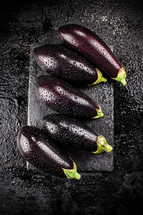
x: 30, y: 192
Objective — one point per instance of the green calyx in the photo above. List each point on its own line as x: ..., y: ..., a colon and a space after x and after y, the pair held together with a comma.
x: 99, y: 113
x: 99, y: 79
x: 121, y: 76
x: 72, y: 173
x: 102, y: 145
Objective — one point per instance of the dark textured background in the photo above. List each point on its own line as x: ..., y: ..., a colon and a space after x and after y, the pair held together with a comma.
x: 120, y: 24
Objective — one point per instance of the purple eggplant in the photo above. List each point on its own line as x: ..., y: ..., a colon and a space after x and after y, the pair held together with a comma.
x: 40, y: 151
x: 65, y: 99
x: 68, y: 132
x: 92, y: 47
x: 65, y: 64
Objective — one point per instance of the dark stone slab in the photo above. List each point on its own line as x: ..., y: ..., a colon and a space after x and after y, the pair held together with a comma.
x: 103, y: 93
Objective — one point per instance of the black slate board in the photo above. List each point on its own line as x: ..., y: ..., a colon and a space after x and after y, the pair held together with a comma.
x: 103, y: 94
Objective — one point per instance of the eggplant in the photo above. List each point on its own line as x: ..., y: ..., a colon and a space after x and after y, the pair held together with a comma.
x: 65, y: 99
x: 65, y: 64
x: 68, y: 132
x: 92, y: 47
x: 39, y: 150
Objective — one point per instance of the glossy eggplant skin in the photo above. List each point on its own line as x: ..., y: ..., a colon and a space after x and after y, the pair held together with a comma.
x: 65, y: 64
x: 91, y: 46
x: 40, y: 151
x: 70, y: 132
x: 65, y: 99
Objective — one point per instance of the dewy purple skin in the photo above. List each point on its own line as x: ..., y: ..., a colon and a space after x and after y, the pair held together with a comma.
x: 66, y: 64
x: 68, y: 132
x: 92, y: 47
x: 40, y: 151
x: 65, y: 99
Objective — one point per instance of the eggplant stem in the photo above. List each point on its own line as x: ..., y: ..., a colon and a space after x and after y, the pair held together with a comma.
x: 121, y: 76
x: 99, y: 113
x: 72, y: 173
x: 99, y: 79
x: 102, y: 145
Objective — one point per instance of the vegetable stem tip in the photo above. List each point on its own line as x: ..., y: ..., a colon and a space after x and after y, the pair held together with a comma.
x: 99, y: 79
x: 99, y: 113
x: 102, y: 145
x: 121, y: 76
x: 72, y: 173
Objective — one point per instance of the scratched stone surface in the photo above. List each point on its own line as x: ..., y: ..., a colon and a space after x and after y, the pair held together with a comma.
x: 23, y: 191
